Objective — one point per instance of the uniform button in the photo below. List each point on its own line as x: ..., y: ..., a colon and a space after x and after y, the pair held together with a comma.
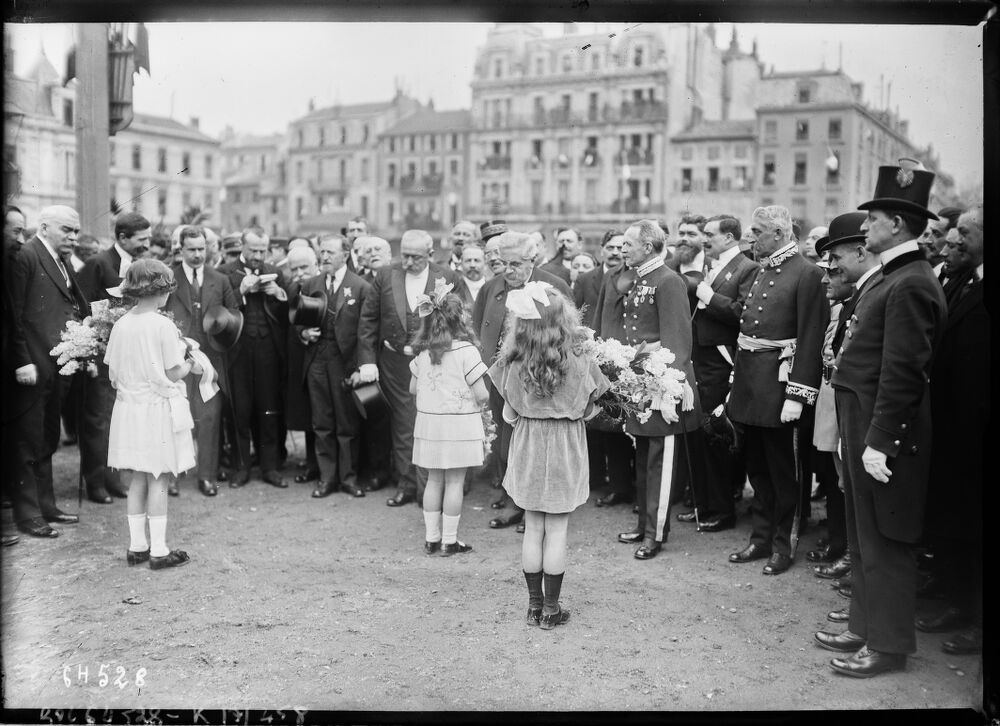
x: 756, y: 322
x: 764, y: 296
x: 896, y: 442
x: 754, y: 335
x: 913, y: 449
x: 749, y: 295
x: 778, y: 270
x: 760, y: 309
x: 771, y: 282
x: 635, y: 316
x: 903, y: 426
x: 756, y: 282
x: 633, y: 327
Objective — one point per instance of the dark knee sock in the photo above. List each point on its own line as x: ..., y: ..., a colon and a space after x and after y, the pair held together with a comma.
x: 553, y: 584
x: 534, y: 580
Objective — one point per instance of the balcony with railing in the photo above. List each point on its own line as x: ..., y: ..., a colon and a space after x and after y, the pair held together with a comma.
x: 590, y: 160
x: 428, y: 184
x: 629, y: 111
x: 635, y: 156
x: 330, y: 186
x: 495, y: 162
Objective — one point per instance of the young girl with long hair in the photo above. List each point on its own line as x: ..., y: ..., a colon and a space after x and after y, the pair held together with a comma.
x: 549, y: 388
x: 150, y: 437
x: 448, y: 434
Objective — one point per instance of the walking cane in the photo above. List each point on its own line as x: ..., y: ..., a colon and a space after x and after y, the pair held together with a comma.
x: 687, y: 457
x: 798, y: 494
x: 81, y: 407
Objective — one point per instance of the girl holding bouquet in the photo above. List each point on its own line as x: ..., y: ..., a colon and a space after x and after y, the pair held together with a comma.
x: 448, y: 433
x: 150, y: 439
x: 549, y: 386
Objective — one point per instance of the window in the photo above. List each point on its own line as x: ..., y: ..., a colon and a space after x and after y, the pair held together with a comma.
x: 800, y: 169
x: 413, y: 143
x: 69, y: 171
x: 68, y: 112
x: 432, y: 168
x: 391, y: 181
x: 302, y: 138
x: 567, y: 63
x: 637, y: 59
x: 539, y: 108
x: 687, y: 153
x: 161, y: 202
x: 770, y: 131
x: 237, y: 196
x: 740, y: 178
x: 208, y: 166
x: 833, y: 169
x: 801, y: 130
x: 804, y: 94
x: 453, y: 168
x: 392, y: 213
x: 685, y: 180
x: 833, y: 129
x: 343, y: 134
x: 274, y: 205
x: 298, y: 172
x: 322, y: 136
x: 364, y: 137
x: 319, y: 170
x: 433, y: 139
x: 161, y: 159
x: 713, y: 153
x: 770, y: 170
x: 536, y: 149
x: 111, y: 152
x: 137, y: 197
x: 567, y: 102
x: 713, y: 178
x: 592, y: 107
x: 454, y: 141
x: 186, y: 163
x: 137, y: 157
x: 364, y: 171
x: 740, y: 151
x: 539, y: 66
x: 343, y: 170
x: 299, y: 208
x: 595, y: 62
x: 498, y: 68
x: 392, y: 144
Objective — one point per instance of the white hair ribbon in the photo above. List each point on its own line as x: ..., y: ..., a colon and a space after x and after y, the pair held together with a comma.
x: 522, y: 302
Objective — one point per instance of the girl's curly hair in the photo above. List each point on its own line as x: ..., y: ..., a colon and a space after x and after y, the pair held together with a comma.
x: 147, y: 277
x: 544, y: 345
x: 448, y: 321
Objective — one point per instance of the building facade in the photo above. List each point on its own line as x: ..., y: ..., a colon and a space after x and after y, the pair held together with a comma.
x: 253, y: 182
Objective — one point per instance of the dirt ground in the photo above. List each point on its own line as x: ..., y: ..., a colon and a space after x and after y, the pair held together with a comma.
x: 331, y: 604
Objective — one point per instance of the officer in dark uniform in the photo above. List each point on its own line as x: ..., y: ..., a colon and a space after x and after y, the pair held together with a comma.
x: 777, y: 373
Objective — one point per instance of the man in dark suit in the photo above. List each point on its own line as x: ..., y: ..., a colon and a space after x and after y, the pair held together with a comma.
x: 331, y: 358
x: 357, y: 228
x: 13, y: 238
x: 881, y: 387
x: 569, y: 243
x: 388, y: 323
x: 257, y: 361
x: 450, y: 255
x: 516, y: 253
x: 44, y: 296
x: 473, y: 271
x: 688, y: 258
x: 776, y: 374
x: 654, y: 312
x: 715, y: 328
x: 200, y: 288
x: 303, y: 265
x: 609, y: 450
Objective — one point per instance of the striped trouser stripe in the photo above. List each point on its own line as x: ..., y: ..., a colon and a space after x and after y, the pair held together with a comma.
x: 666, y: 482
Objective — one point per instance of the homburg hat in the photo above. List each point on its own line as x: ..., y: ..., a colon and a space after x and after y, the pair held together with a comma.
x: 222, y: 326
x: 903, y: 189
x: 844, y: 228
x: 308, y: 310
x: 492, y: 228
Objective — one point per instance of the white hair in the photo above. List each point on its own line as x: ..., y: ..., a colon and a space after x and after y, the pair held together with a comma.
x: 776, y: 216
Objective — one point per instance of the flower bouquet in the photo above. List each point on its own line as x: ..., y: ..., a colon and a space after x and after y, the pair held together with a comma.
x: 490, y: 429
x: 642, y: 380
x: 83, y: 343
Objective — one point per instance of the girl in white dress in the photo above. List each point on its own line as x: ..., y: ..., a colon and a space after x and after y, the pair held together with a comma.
x: 150, y: 438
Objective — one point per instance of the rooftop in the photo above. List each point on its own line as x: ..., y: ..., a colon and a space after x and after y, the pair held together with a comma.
x: 429, y: 121
x: 163, y: 125
x: 351, y: 109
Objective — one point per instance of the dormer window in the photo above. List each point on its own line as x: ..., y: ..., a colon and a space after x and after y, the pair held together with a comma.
x: 498, y: 68
x: 637, y: 58
x: 567, y: 63
x: 804, y: 92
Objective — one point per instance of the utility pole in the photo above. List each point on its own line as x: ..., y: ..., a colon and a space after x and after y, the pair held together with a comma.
x: 93, y: 185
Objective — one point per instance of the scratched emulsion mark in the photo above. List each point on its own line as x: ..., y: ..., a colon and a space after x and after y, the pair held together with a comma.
x: 144, y: 191
x: 610, y: 35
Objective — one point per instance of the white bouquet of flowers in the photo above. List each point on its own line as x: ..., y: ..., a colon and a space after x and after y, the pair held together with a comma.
x: 82, y: 343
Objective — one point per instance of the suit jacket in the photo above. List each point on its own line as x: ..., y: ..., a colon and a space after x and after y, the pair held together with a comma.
x: 556, y: 268
x: 345, y: 307
x: 275, y: 311
x: 886, y: 361
x: 585, y: 294
x: 490, y: 312
x: 383, y: 316
x: 463, y: 291
x: 718, y: 323
x: 101, y: 272
x: 215, y: 290
x: 691, y: 278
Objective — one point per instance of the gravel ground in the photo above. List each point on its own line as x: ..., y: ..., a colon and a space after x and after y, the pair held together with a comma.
x: 331, y: 604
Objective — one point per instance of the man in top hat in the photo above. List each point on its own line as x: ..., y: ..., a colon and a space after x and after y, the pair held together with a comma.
x: 776, y: 374
x: 652, y: 310
x: 389, y: 320
x: 257, y: 361
x: 569, y: 243
x: 331, y: 358
x: 44, y: 296
x: 516, y: 252
x: 200, y: 289
x: 883, y: 401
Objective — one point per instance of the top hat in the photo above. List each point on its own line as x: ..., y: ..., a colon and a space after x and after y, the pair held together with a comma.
x: 370, y: 400
x: 492, y: 228
x: 843, y: 228
x: 902, y: 189
x: 308, y: 310
x: 223, y: 327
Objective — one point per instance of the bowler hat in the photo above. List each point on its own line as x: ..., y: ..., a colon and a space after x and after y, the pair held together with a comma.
x: 492, y: 228
x: 223, y: 327
x: 843, y: 228
x: 370, y: 400
x: 900, y: 189
x: 308, y: 310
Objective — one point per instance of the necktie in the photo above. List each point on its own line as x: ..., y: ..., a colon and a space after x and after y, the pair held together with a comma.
x: 62, y: 269
x: 196, y: 286
x: 329, y: 285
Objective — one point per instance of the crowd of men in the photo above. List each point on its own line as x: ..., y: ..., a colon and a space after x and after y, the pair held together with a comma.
x: 823, y: 359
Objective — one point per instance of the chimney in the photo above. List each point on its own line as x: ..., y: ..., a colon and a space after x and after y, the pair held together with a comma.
x: 569, y: 28
x: 195, y: 121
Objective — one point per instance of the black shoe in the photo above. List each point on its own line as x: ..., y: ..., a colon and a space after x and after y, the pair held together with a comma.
x: 172, y: 489
x: 500, y: 503
x: 867, y: 663
x: 61, y: 518
x: 648, y: 549
x: 612, y: 498
x: 275, y: 479
x: 846, y: 642
x: 969, y: 642
x: 839, y: 616
x: 837, y: 569
x: 375, y: 482
x: 9, y: 539
x: 400, y: 498
x: 99, y: 496
x: 207, y: 487
x: 945, y: 622
x: 825, y: 553
x: 632, y: 536
x: 515, y: 517
x: 354, y: 491
x: 777, y: 564
x: 750, y: 553
x: 547, y: 621
x: 432, y: 547
x: 845, y: 591
x: 240, y: 479
x: 718, y: 524
x: 136, y: 558
x: 534, y: 615
x: 325, y: 489
x: 308, y: 476
x: 176, y: 558
x: 686, y: 516
x: 37, y: 528
x: 455, y: 548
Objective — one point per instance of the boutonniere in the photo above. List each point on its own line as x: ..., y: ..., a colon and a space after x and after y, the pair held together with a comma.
x: 729, y: 276
x: 347, y: 292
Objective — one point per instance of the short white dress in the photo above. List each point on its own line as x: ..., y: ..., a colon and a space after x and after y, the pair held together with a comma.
x: 448, y: 432
x: 151, y: 424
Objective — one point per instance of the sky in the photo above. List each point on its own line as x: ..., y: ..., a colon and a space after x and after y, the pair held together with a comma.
x: 257, y: 76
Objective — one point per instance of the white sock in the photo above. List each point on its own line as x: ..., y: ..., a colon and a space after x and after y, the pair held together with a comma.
x: 137, y: 532
x: 449, y: 529
x: 432, y: 526
x: 158, y: 536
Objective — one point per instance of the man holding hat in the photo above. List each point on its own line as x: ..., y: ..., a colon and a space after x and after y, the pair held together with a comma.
x: 881, y: 385
x: 331, y: 334
x: 199, y: 290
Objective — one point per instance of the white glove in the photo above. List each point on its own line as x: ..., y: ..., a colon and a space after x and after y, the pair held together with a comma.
x: 368, y: 372
x: 876, y: 464
x: 27, y: 375
x: 791, y: 411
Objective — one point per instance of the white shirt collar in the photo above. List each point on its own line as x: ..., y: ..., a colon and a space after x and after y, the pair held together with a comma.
x: 889, y: 255
x: 474, y: 287
x: 51, y: 250
x: 415, y: 285
x: 338, y: 276
x: 648, y: 266
x: 696, y: 265
x: 126, y: 257
x: 979, y: 270
x: 861, y: 280
x: 726, y: 257
x: 189, y: 271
